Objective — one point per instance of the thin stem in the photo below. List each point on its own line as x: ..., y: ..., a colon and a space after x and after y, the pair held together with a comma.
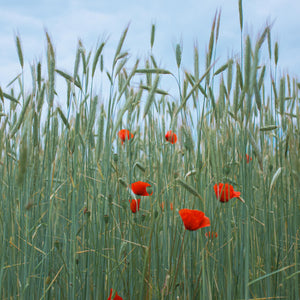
x: 179, y: 260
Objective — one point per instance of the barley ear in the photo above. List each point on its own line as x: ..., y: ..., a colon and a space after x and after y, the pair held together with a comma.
x: 276, y: 53
x: 120, y: 44
x: 178, y: 55
x: 152, y: 35
x: 241, y: 14
x: 19, y: 50
x: 247, y: 69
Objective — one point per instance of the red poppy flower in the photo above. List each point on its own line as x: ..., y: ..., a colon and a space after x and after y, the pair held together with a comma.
x: 224, y: 192
x: 171, y: 137
x: 139, y: 188
x: 124, y: 135
x: 134, y: 208
x: 117, y: 297
x: 193, y: 219
x: 248, y: 158
x: 211, y: 234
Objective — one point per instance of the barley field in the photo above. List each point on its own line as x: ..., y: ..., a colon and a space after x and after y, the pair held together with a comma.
x: 214, y: 162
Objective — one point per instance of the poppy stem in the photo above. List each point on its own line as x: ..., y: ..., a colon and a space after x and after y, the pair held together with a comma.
x: 241, y: 199
x: 179, y: 260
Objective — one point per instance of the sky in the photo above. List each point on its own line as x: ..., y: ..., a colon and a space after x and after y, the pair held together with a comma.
x: 188, y: 22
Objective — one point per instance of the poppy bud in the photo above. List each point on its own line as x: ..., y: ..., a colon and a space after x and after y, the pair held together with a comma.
x: 28, y: 205
x: 123, y: 182
x: 86, y: 212
x: 57, y: 244
x: 226, y: 170
x: 106, y: 219
x: 115, y: 157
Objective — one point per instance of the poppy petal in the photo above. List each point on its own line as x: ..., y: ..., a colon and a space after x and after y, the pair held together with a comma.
x: 135, y: 205
x: 117, y: 297
x: 171, y: 137
x: 248, y: 158
x: 140, y: 188
x: 236, y: 194
x: 205, y: 222
x: 125, y: 134
x: 193, y: 219
x: 224, y: 192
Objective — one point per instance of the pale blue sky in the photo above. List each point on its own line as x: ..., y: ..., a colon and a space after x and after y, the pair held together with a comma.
x: 188, y: 20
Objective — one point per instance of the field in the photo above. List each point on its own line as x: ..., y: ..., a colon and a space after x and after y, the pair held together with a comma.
x: 68, y: 226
